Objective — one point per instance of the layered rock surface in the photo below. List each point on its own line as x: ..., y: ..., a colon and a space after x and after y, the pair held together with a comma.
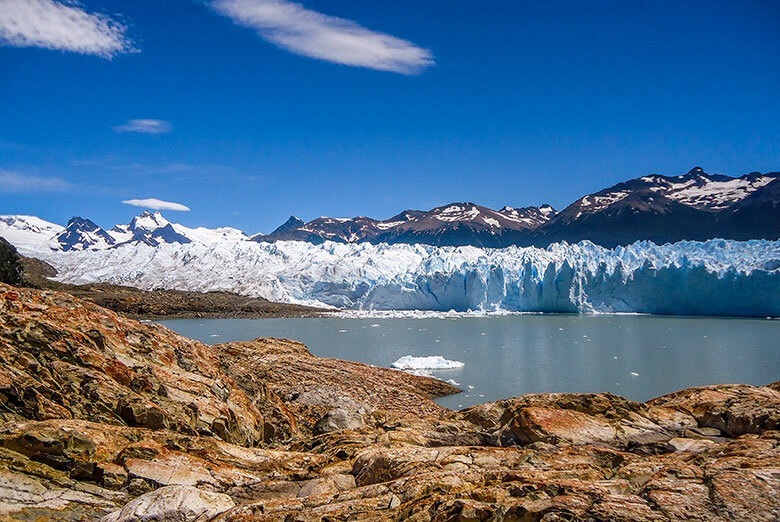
x: 102, y: 416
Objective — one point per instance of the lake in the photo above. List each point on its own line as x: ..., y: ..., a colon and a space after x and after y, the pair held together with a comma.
x: 636, y: 356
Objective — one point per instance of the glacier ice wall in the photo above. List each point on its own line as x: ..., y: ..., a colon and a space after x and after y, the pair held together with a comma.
x: 715, y: 277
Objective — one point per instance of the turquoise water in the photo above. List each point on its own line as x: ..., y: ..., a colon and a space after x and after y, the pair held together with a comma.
x: 638, y: 357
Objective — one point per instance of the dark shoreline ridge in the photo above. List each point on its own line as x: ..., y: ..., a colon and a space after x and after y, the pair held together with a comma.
x: 111, y: 416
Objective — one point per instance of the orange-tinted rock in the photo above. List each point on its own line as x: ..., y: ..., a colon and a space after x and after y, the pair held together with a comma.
x: 733, y: 409
x: 105, y: 415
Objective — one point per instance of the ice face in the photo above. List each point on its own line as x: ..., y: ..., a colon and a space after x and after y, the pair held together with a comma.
x: 715, y: 277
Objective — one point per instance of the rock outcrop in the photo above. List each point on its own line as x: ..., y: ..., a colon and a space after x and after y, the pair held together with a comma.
x: 102, y: 417
x: 11, y: 269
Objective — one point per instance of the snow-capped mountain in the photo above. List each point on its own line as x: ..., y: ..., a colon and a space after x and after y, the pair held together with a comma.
x: 149, y: 228
x: 316, y: 231
x: 153, y: 229
x: 693, y: 206
x: 29, y: 231
x: 456, y: 224
x: 83, y: 234
x: 532, y: 217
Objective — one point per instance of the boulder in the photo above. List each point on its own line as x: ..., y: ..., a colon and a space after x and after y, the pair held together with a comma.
x: 173, y: 504
x: 734, y: 409
x: 339, y: 419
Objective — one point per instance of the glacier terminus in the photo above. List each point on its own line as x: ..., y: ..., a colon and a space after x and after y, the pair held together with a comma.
x: 715, y: 277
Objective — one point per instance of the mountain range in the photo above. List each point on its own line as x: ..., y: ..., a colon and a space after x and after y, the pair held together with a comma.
x: 662, y: 209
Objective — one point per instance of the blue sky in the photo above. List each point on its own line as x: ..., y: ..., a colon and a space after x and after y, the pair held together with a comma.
x: 247, y: 111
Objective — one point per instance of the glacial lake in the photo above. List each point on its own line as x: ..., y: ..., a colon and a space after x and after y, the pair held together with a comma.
x: 636, y: 356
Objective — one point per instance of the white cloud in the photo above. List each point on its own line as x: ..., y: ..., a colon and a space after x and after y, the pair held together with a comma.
x: 309, y: 33
x: 52, y: 25
x: 157, y: 204
x: 15, y: 182
x: 145, y: 126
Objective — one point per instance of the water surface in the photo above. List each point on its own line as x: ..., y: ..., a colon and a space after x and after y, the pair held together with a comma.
x: 638, y: 357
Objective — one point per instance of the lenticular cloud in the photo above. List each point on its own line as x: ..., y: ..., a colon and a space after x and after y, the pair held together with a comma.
x: 309, y: 33
x: 53, y: 25
x: 157, y: 204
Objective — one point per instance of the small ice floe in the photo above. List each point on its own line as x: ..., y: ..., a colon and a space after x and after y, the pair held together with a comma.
x: 375, y: 325
x: 635, y: 374
x: 428, y: 362
x: 453, y: 382
x: 214, y: 335
x: 470, y: 387
x: 342, y: 331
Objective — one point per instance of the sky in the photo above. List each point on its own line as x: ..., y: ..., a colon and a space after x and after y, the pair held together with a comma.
x: 244, y: 112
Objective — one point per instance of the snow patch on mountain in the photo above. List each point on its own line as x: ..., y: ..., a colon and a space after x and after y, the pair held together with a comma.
x: 715, y: 194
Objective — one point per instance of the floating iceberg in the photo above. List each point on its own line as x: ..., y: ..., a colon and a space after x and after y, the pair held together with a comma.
x: 429, y: 362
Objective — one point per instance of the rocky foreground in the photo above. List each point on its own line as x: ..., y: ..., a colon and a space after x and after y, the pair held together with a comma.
x: 102, y: 417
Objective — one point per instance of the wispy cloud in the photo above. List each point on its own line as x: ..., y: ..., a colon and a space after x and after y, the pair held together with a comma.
x: 145, y: 126
x: 53, y: 25
x: 157, y: 204
x: 15, y: 182
x: 309, y: 33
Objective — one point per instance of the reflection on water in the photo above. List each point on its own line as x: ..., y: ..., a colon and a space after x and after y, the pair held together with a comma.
x: 638, y: 357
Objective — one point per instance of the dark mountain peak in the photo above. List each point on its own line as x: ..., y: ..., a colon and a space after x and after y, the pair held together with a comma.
x: 406, y: 215
x: 292, y: 223
x: 696, y: 170
x: 80, y: 223
x: 755, y: 176
x: 461, y: 210
x: 464, y: 204
x: 82, y: 233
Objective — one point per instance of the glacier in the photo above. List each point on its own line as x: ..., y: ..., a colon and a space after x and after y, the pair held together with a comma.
x: 716, y: 277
